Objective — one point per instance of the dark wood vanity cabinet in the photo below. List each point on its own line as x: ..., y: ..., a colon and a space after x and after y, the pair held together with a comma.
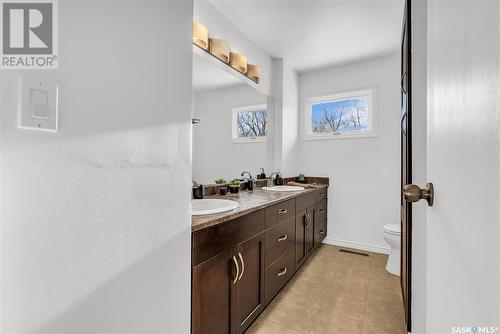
x: 240, y: 265
x: 212, y: 294
x: 250, y: 284
x: 320, y: 222
x: 304, y: 231
x: 228, y: 275
x: 310, y: 224
x: 228, y: 289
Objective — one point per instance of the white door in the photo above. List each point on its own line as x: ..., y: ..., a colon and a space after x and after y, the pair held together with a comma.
x: 463, y: 226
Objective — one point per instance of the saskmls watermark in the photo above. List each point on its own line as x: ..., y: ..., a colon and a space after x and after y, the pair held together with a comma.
x: 29, y: 34
x: 474, y: 329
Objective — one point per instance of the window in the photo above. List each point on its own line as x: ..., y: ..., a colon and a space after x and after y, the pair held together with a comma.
x: 250, y: 124
x: 344, y: 115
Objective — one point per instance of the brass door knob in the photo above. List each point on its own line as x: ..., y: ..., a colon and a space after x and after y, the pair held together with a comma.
x: 413, y: 193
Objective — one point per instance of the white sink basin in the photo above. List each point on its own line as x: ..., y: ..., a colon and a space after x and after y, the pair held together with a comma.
x: 283, y: 188
x: 210, y: 206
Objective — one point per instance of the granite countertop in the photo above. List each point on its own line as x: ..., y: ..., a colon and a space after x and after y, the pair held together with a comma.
x: 250, y: 201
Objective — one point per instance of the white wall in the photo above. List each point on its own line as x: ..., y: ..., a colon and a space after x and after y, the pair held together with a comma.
x: 463, y: 163
x: 290, y: 121
x: 364, y: 173
x: 214, y: 154
x: 95, y: 218
x: 286, y: 89
x: 220, y: 27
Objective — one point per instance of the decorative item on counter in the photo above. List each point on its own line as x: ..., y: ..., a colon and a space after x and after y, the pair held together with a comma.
x: 200, y: 35
x: 302, y: 177
x: 278, y: 180
x: 219, y: 48
x: 223, y: 188
x: 234, y: 186
x: 221, y: 181
x: 253, y: 72
x: 238, y: 61
x: 262, y: 175
x: 198, y: 192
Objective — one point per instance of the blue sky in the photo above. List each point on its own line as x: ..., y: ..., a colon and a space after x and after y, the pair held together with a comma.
x: 318, y: 110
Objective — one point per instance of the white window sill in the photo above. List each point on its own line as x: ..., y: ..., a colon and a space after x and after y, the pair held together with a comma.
x: 248, y: 140
x: 359, y: 135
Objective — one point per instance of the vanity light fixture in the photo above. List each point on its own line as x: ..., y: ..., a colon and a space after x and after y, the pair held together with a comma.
x: 200, y: 35
x: 253, y: 72
x: 238, y: 61
x: 219, y: 48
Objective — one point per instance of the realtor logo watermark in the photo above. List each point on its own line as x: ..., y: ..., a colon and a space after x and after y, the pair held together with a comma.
x: 29, y: 34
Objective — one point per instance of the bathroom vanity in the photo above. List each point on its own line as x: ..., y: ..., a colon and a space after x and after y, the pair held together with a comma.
x: 243, y: 258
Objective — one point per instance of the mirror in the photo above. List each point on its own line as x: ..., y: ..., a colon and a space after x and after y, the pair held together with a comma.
x: 230, y: 123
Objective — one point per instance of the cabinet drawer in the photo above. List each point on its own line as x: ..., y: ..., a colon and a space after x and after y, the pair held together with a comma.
x: 279, y: 273
x: 320, y: 194
x: 320, y: 211
x: 320, y: 232
x: 279, y: 212
x: 279, y: 239
x: 305, y: 201
x: 210, y: 242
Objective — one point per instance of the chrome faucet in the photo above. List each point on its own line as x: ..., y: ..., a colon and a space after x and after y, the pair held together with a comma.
x: 270, y: 181
x: 195, y: 183
x: 249, y: 175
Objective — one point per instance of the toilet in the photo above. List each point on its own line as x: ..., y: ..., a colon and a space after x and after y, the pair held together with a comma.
x: 392, y: 235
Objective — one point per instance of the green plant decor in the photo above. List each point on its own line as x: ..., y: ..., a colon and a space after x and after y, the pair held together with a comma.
x: 234, y: 183
x: 221, y: 181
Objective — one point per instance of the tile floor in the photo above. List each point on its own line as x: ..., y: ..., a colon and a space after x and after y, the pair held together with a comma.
x: 336, y: 292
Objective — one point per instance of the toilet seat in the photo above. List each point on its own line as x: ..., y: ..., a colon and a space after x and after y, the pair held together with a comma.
x: 392, y: 229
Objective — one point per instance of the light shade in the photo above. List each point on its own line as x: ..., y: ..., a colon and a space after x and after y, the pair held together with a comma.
x: 253, y: 72
x: 200, y: 35
x: 220, y: 49
x: 238, y: 61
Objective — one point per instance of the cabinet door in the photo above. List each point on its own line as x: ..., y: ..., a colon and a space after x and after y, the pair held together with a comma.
x: 250, y: 285
x: 309, y: 230
x: 213, y: 291
x: 300, y: 238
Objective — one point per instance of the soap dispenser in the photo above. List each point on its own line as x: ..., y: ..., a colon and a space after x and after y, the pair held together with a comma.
x: 262, y: 175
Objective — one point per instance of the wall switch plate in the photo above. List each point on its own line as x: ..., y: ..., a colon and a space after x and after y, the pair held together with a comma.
x: 38, y: 104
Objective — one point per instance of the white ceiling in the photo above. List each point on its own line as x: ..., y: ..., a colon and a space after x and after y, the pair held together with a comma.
x: 206, y: 76
x: 315, y: 34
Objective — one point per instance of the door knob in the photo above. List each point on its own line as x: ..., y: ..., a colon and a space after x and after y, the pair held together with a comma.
x: 413, y: 193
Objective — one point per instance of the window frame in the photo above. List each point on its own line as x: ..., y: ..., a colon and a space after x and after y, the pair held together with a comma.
x: 234, y: 124
x: 371, y: 92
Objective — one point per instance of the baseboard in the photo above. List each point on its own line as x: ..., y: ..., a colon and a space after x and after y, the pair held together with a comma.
x: 356, y: 245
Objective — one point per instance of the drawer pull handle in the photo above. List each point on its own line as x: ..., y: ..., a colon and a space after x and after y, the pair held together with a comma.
x: 321, y: 232
x: 282, y: 211
x: 242, y: 266
x: 322, y: 194
x: 237, y: 270
x: 322, y: 210
x: 283, y: 238
x: 282, y: 272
